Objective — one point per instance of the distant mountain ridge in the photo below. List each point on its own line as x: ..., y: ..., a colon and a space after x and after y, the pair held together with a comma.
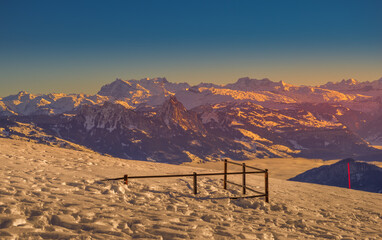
x: 174, y: 122
x: 26, y: 104
x: 156, y: 90
x: 354, y: 85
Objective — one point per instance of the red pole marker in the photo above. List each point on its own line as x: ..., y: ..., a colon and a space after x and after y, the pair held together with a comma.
x: 349, y: 174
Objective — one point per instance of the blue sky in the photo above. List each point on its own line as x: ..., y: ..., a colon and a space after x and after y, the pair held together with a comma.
x: 77, y: 46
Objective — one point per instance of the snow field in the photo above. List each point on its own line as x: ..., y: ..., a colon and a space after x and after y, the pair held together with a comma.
x: 55, y: 193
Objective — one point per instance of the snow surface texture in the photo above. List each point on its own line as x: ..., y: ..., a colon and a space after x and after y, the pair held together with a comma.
x: 54, y: 193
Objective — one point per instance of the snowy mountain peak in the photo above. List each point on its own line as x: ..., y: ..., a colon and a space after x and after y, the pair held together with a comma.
x: 121, y: 89
x: 350, y: 81
x: 248, y: 84
x: 22, y: 95
x: 156, y: 80
x: 352, y: 86
x: 254, y: 82
x: 152, y: 91
x: 344, y: 85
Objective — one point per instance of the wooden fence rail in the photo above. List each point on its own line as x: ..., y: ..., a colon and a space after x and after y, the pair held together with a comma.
x: 225, y: 174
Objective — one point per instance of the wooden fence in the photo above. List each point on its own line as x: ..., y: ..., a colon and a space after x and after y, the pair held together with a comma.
x: 225, y: 174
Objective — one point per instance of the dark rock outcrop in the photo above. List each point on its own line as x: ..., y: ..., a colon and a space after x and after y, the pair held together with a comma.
x: 363, y: 176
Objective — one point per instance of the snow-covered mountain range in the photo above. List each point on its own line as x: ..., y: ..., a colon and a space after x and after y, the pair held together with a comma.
x: 362, y: 96
x: 154, y: 119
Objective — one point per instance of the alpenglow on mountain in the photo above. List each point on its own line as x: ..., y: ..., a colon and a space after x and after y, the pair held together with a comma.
x: 156, y: 120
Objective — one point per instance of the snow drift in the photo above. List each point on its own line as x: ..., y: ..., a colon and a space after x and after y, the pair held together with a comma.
x: 54, y: 193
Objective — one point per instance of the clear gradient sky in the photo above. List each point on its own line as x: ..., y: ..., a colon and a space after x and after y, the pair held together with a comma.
x: 77, y: 46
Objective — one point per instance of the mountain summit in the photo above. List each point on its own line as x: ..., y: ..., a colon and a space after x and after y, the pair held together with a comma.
x: 174, y: 114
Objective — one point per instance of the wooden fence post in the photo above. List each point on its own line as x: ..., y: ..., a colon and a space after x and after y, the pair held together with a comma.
x: 266, y: 186
x: 195, y: 184
x: 244, y: 186
x: 125, y: 179
x: 225, y: 174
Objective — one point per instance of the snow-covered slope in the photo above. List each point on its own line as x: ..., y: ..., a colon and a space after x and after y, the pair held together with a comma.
x: 293, y: 132
x: 271, y: 94
x: 371, y: 89
x: 197, y: 96
x: 31, y: 133
x: 53, y: 193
